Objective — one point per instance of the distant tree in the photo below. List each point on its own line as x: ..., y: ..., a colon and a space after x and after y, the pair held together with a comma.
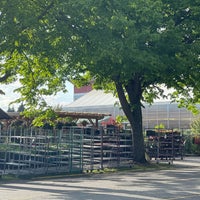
x: 131, y: 48
x: 11, y: 109
x: 21, y: 108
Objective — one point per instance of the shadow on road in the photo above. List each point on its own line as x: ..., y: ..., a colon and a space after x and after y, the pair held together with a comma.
x: 179, y: 183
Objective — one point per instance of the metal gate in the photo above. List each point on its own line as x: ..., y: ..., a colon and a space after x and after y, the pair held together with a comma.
x: 69, y: 150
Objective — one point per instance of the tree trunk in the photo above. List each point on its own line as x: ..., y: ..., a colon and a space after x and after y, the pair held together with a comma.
x: 138, y: 138
x: 133, y: 111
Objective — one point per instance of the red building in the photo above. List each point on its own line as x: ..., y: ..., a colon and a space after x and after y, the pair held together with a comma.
x: 79, y: 92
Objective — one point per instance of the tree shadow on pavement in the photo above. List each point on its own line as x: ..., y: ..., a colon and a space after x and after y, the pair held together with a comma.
x: 167, y: 184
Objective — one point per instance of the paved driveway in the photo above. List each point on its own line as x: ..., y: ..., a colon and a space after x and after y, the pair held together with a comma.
x: 180, y: 183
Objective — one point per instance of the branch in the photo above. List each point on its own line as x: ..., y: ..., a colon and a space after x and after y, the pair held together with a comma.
x: 124, y: 103
x: 5, y: 76
x: 46, y: 10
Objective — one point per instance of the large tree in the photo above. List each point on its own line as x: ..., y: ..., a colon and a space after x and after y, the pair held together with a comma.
x: 132, y: 47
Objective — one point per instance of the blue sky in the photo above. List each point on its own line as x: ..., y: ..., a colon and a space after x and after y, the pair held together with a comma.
x: 61, y: 98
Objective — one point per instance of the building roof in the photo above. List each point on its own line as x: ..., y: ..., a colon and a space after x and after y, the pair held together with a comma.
x: 82, y: 115
x: 94, y: 98
x: 75, y: 115
x: 4, y: 115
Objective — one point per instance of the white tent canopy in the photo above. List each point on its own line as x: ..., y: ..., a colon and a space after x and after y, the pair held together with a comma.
x: 96, y: 101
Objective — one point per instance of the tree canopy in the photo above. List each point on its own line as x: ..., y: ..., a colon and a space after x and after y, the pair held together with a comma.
x: 129, y: 47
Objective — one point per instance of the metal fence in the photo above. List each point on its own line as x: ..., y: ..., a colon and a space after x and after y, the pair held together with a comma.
x: 71, y: 149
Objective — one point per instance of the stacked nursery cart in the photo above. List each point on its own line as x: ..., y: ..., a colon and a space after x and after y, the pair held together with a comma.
x: 165, y: 145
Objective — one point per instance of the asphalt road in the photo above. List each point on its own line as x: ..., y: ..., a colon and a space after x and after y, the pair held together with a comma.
x: 183, y: 183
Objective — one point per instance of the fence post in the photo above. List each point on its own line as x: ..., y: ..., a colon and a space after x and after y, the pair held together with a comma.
x: 101, y: 133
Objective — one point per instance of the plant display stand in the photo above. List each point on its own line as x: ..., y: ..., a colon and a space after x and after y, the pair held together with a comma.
x: 164, y: 145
